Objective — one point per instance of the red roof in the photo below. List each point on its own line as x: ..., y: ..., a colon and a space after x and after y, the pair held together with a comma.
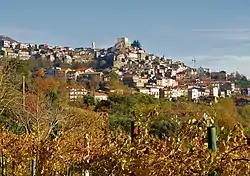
x: 75, y: 87
x: 82, y: 69
x: 181, y: 73
x: 64, y: 68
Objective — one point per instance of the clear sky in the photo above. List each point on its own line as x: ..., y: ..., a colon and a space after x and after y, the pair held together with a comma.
x: 216, y: 32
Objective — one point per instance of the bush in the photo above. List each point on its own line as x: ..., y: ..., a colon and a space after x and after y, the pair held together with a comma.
x: 164, y: 128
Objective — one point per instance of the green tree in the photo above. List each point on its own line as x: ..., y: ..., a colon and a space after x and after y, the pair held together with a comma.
x: 89, y: 100
x: 103, y: 63
x: 164, y: 128
x: 225, y: 112
x: 54, y: 95
x: 113, y: 76
x: 136, y: 43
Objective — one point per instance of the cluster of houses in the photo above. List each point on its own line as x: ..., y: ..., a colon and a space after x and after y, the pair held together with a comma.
x: 145, y: 73
x: 172, y: 81
x: 25, y: 51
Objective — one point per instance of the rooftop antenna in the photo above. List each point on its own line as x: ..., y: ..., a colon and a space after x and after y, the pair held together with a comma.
x: 194, y: 61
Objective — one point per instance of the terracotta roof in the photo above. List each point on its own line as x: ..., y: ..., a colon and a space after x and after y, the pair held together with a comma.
x: 75, y: 87
x: 82, y: 69
x: 100, y: 94
x: 91, y: 73
x: 181, y: 73
x: 97, y: 93
x: 64, y: 68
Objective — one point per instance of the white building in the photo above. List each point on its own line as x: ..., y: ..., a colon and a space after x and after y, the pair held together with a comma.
x: 167, y: 82
x: 100, y: 96
x: 203, y: 71
x: 143, y: 90
x: 215, y: 92
x: 122, y: 42
x: 175, y: 93
x: 171, y: 83
x: 194, y: 94
x: 76, y: 92
x: 5, y: 43
x: 132, y: 56
x: 154, y: 91
x: 68, y: 59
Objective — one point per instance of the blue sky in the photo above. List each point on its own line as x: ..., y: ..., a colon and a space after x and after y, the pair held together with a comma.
x: 216, y: 32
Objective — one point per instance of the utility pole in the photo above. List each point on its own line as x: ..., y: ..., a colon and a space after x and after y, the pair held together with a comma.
x: 23, y: 91
x: 24, y: 106
x: 194, y: 61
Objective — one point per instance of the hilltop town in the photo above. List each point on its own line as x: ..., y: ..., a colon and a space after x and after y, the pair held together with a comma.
x: 90, y: 69
x: 118, y: 111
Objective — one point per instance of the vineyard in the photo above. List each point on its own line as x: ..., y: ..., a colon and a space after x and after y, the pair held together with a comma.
x: 43, y: 134
x: 185, y: 154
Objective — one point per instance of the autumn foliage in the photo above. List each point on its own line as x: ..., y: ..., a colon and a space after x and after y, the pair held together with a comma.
x: 64, y: 139
x: 46, y: 85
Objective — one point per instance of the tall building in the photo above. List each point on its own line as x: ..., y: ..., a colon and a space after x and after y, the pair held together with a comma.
x: 93, y: 45
x: 122, y: 42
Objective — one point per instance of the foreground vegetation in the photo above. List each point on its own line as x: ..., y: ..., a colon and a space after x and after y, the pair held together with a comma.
x: 39, y: 124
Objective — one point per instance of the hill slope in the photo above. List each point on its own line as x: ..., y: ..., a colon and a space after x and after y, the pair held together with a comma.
x: 2, y: 37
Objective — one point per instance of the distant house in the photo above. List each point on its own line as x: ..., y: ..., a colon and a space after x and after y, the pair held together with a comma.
x: 228, y: 86
x: 23, y: 46
x: 50, y: 58
x: 167, y: 82
x: 84, y: 70
x: 203, y: 72
x: 180, y: 75
x: 76, y: 92
x: 165, y: 93
x: 245, y: 92
x: 140, y: 82
x: 191, y: 72
x: 204, y: 92
x: 5, y: 43
x: 61, y: 72
x: 182, y: 91
x: 132, y: 56
x: 154, y: 90
x: 219, y: 76
x: 237, y: 90
x: 23, y: 54
x: 90, y: 76
x: 222, y: 94
x: 143, y: 90
x: 100, y: 96
x: 193, y: 94
x: 67, y: 59
x: 129, y: 79
x: 122, y: 42
x: 8, y: 52
x: 71, y: 75
x: 214, y: 91
x: 170, y: 93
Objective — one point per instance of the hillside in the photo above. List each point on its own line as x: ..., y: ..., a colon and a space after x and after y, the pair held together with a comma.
x: 2, y: 37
